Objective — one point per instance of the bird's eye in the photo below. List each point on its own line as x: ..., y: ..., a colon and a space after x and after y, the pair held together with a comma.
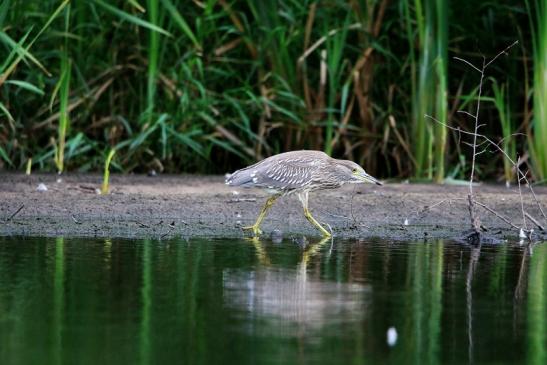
x: 354, y: 170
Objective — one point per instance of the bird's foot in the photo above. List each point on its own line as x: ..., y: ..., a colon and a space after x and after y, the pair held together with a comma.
x: 326, y: 234
x: 254, y: 228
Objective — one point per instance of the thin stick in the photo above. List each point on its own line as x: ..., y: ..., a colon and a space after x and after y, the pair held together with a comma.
x: 418, y: 213
x: 476, y: 130
x: 142, y: 225
x: 502, y: 52
x: 520, y: 196
x: 476, y: 116
x: 517, y: 168
x: 15, y: 213
x: 540, y: 227
x: 466, y: 112
x: 497, y: 215
x: 468, y: 63
x: 537, y: 201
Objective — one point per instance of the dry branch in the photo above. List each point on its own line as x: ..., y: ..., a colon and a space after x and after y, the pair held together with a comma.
x: 521, y: 176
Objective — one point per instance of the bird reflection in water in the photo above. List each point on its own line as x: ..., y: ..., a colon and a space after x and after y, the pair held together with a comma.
x: 288, y: 301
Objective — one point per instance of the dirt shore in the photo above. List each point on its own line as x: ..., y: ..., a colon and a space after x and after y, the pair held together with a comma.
x: 185, y: 205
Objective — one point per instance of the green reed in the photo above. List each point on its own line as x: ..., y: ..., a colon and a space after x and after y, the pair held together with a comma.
x: 153, y: 55
x: 105, y: 187
x: 20, y: 51
x: 501, y: 100
x: 210, y: 86
x: 537, y: 13
x: 429, y: 23
x: 64, y: 95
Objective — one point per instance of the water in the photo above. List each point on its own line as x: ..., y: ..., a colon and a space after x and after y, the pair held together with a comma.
x: 236, y: 301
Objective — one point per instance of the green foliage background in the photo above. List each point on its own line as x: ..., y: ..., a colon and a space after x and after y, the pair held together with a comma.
x: 209, y: 86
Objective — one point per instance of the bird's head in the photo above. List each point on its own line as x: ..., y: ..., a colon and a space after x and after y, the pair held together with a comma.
x: 353, y: 173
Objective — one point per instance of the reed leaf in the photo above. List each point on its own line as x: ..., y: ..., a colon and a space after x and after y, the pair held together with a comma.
x: 537, y: 13
x: 431, y: 88
x: 131, y: 18
x: 105, y: 188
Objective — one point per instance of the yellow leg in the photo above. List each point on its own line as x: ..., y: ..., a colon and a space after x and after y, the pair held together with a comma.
x: 303, y: 197
x: 256, y: 227
x: 312, y: 220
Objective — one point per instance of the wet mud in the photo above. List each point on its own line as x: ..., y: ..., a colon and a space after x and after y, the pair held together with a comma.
x: 189, y: 206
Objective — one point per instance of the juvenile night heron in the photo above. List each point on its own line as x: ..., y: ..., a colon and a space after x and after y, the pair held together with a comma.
x: 298, y: 172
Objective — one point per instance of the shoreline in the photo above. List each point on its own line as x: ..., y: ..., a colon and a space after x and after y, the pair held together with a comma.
x: 166, y: 206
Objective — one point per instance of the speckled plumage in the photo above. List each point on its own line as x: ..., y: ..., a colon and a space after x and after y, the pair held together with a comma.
x: 298, y: 172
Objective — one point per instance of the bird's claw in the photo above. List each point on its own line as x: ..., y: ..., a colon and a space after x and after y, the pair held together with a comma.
x: 256, y: 231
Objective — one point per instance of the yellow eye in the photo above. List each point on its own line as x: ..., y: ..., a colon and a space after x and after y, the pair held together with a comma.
x: 354, y: 171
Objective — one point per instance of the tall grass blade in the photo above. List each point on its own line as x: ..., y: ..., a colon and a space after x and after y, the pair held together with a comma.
x: 130, y: 18
x: 28, y: 169
x: 430, y: 93
x: 501, y: 101
x: 21, y: 51
x: 335, y: 47
x: 26, y: 86
x: 181, y: 22
x: 5, y: 156
x: 136, y: 5
x: 20, y: 56
x: 6, y: 112
x: 64, y: 94
x: 105, y: 188
x: 153, y: 57
x: 537, y: 13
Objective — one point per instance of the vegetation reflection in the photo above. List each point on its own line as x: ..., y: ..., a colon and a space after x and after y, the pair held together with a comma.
x: 205, y: 301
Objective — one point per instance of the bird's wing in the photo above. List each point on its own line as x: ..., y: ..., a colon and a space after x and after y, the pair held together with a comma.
x: 286, y: 173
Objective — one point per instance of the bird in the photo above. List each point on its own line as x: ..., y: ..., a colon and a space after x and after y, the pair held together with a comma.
x: 297, y: 172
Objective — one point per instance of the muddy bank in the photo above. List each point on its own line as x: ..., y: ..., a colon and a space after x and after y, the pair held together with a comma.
x: 167, y: 206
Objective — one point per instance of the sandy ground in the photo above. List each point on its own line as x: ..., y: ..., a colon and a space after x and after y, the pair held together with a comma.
x: 185, y: 205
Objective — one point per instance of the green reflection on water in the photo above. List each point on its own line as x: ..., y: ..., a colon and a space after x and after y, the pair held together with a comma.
x: 146, y: 291
x: 58, y: 295
x: 422, y: 305
x: 247, y: 302
x: 537, y: 307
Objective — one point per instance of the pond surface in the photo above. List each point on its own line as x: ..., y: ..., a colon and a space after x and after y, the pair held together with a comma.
x: 91, y: 301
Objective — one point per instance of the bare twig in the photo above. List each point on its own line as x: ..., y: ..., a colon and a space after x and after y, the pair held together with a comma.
x: 468, y: 63
x: 166, y: 233
x: 503, y: 218
x: 74, y: 219
x: 427, y: 208
x: 520, y: 196
x: 537, y: 202
x: 15, y: 213
x: 534, y: 220
x: 142, y: 225
x: 499, y: 149
x: 502, y: 52
x: 466, y: 113
x: 475, y: 221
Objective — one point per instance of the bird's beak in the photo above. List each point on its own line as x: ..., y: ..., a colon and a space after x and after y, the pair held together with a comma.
x: 363, y: 176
